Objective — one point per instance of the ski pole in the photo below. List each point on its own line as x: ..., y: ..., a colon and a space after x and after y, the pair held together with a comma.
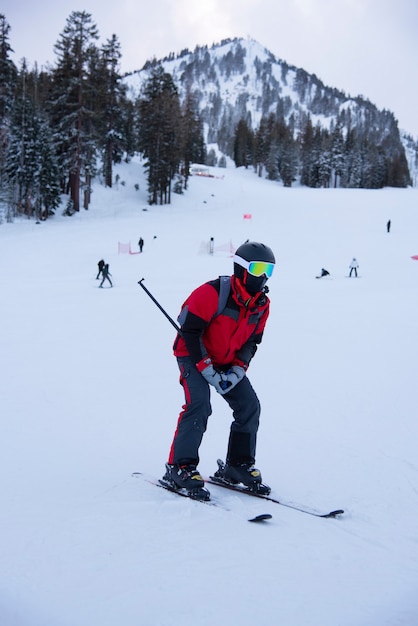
x: 172, y: 322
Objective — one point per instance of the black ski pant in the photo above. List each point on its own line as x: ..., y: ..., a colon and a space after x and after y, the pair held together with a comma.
x: 106, y: 278
x: 192, y: 421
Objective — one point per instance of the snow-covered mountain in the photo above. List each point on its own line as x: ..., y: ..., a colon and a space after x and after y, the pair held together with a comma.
x: 240, y: 79
x: 243, y: 77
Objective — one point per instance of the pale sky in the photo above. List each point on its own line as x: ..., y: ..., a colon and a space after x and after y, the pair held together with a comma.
x: 363, y: 47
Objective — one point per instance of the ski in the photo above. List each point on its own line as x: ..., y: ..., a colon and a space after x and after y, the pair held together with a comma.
x: 179, y: 492
x: 183, y: 493
x: 187, y: 494
x: 220, y: 482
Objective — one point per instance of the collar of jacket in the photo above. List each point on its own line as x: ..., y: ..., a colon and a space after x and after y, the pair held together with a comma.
x: 241, y: 295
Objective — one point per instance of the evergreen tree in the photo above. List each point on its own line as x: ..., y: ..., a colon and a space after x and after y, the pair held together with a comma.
x: 354, y: 161
x: 8, y: 78
x: 272, y: 161
x: 259, y: 150
x: 337, y: 153
x: 159, y: 136
x: 211, y: 158
x: 398, y: 172
x: 8, y: 72
x: 31, y: 168
x: 288, y: 158
x: 262, y: 143
x: 243, y: 145
x: 72, y: 101
x: 112, y: 101
x: 129, y: 126
x: 307, y: 153
x: 193, y: 148
x: 49, y: 197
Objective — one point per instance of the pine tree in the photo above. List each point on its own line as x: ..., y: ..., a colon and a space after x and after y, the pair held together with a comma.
x: 307, y: 153
x: 262, y: 143
x: 398, y: 171
x: 337, y: 153
x: 353, y: 161
x: 31, y: 167
x: 8, y: 78
x: 193, y: 148
x: 324, y: 157
x: 8, y: 72
x: 243, y: 145
x: 112, y: 102
x: 49, y: 197
x: 129, y: 128
x: 21, y: 163
x: 288, y: 157
x: 159, y: 136
x: 71, y: 104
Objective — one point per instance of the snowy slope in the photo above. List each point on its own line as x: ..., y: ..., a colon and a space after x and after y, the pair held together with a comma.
x: 90, y: 394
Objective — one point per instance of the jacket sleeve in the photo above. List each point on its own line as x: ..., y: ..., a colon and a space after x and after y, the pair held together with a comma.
x: 196, y: 315
x: 192, y: 331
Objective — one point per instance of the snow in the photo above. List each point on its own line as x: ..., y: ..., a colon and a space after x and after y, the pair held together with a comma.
x: 90, y: 394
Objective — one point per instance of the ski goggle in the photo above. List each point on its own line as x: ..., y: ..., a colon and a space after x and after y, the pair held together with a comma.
x: 256, y: 268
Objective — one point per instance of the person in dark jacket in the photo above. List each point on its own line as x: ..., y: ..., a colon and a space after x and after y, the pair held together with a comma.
x: 100, y: 265
x: 140, y: 244
x: 213, y: 350
x: 324, y: 272
x: 106, y: 275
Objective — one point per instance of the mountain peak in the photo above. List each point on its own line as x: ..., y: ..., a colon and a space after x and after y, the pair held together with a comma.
x: 239, y: 80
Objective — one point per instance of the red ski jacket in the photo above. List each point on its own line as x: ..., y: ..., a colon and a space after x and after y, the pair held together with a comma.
x: 228, y: 337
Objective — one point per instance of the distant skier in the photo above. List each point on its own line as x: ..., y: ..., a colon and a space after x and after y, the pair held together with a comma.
x: 354, y: 267
x: 100, y: 265
x: 106, y: 274
x: 140, y: 244
x: 323, y: 273
x: 388, y: 226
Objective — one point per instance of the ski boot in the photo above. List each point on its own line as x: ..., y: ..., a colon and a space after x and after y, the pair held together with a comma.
x: 245, y: 474
x: 187, y: 479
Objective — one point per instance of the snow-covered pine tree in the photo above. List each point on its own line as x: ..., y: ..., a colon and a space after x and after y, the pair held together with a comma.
x: 159, y: 133
x: 72, y: 100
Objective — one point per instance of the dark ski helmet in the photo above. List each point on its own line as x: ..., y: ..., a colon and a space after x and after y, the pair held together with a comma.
x: 253, y: 265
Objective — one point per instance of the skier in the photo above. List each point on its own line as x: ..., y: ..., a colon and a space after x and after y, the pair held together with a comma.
x: 211, y: 245
x: 214, y: 348
x: 353, y: 267
x: 106, y: 274
x: 100, y: 265
x: 140, y: 244
x: 323, y: 273
x: 388, y: 226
